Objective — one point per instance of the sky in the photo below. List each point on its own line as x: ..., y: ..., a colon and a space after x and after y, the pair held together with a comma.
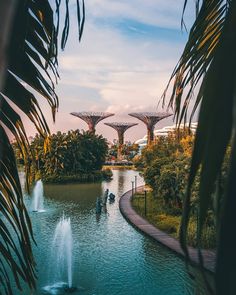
x: 122, y: 64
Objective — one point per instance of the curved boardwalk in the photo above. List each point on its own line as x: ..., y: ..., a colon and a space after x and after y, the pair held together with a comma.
x: 143, y: 225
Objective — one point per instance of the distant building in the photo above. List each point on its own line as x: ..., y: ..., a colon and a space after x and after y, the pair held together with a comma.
x: 142, y: 142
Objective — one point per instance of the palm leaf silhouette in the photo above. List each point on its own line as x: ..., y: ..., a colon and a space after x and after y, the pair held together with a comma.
x: 209, y: 59
x: 30, y: 65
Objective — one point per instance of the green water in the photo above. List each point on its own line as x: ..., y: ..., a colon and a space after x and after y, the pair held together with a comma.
x: 109, y: 256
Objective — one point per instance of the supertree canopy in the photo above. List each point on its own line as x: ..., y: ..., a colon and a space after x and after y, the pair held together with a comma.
x: 92, y: 118
x: 150, y: 119
x: 120, y: 127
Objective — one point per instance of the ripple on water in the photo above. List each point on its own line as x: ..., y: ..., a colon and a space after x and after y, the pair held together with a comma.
x: 109, y: 256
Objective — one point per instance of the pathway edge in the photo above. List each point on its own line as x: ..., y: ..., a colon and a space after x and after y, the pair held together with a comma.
x: 161, y: 237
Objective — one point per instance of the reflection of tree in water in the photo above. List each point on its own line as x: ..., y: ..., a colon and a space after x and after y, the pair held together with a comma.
x: 121, y: 182
x: 84, y: 194
x: 103, y: 212
x: 98, y: 217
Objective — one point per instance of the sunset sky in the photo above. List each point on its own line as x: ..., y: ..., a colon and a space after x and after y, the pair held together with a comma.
x: 123, y: 63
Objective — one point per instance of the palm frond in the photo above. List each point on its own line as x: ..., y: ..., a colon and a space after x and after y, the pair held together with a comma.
x: 209, y: 58
x: 197, y: 56
x: 31, y: 64
x: 14, y: 214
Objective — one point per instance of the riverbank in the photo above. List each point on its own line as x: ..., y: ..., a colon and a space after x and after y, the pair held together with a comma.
x: 105, y: 174
x: 161, y: 237
x: 115, y: 167
x: 168, y: 219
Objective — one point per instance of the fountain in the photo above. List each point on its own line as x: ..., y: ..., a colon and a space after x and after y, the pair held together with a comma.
x: 37, y: 203
x: 61, y: 259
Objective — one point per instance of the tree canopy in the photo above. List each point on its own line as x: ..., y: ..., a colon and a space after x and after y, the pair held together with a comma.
x: 71, y: 155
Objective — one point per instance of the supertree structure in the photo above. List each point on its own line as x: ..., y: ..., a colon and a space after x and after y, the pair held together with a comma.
x: 150, y: 119
x: 92, y: 118
x: 120, y: 127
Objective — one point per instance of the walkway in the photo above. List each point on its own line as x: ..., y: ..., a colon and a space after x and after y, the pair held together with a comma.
x: 143, y: 225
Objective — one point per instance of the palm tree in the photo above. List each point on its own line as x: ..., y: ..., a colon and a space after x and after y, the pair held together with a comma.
x: 209, y: 59
x: 28, y: 61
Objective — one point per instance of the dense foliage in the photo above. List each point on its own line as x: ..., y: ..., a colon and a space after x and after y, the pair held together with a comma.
x: 72, y: 156
x: 209, y: 52
x: 129, y: 151
x: 169, y: 221
x: 165, y: 166
x: 29, y: 34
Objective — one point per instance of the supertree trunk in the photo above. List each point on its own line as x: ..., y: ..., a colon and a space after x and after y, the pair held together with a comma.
x: 150, y: 135
x: 121, y: 142
x: 150, y: 119
x: 92, y: 118
x: 120, y: 127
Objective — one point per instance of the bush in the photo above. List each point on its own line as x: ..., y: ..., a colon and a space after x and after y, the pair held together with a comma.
x: 92, y: 177
x: 208, y: 235
x: 169, y: 224
x: 70, y: 157
x: 166, y: 219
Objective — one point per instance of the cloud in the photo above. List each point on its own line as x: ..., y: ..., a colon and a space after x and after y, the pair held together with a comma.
x: 112, y: 70
x: 125, y: 74
x: 165, y: 14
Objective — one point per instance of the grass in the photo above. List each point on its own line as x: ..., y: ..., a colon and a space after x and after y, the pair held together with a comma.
x: 125, y: 167
x: 161, y: 217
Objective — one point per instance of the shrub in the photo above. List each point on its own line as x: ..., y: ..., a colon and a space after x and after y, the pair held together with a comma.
x: 71, y: 156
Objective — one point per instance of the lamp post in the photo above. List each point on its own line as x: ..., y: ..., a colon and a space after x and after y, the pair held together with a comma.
x: 145, y: 202
x: 132, y: 188
x: 135, y: 183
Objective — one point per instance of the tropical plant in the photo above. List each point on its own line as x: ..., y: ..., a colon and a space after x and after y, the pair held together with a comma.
x: 28, y: 51
x: 165, y: 167
x: 209, y: 59
x: 128, y: 150
x: 69, y: 154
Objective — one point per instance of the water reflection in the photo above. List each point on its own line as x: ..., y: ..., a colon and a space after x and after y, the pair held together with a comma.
x: 84, y: 194
x: 110, y: 256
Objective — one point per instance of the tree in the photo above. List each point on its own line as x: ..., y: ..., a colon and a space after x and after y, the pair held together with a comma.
x: 166, y: 163
x: 209, y: 59
x: 28, y: 60
x: 128, y: 151
x: 71, y: 155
